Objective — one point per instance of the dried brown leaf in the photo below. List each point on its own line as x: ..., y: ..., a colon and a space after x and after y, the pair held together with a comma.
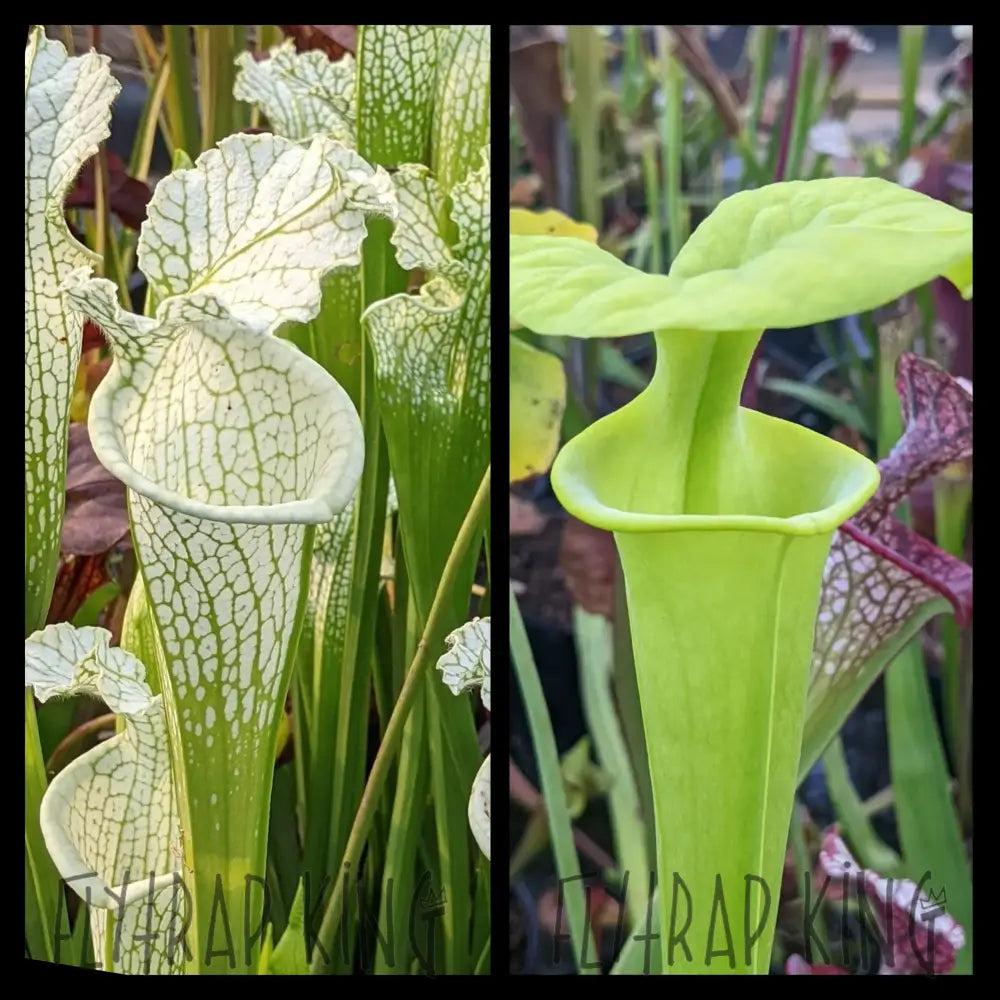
x: 587, y: 558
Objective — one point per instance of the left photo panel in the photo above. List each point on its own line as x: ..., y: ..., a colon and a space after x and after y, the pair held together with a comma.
x: 257, y: 499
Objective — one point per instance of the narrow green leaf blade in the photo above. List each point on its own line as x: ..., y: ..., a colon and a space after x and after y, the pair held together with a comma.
x: 41, y: 880
x: 922, y: 789
x: 841, y: 410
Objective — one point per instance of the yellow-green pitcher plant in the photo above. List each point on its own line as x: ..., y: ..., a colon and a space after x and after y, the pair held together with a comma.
x: 723, y: 516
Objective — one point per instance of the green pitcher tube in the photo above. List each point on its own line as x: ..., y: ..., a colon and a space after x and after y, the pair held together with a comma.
x: 723, y: 559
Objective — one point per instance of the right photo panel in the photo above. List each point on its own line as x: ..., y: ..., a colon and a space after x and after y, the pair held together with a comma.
x: 740, y: 283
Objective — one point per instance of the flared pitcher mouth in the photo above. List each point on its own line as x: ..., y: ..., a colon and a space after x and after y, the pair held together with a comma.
x: 833, y: 481
x: 319, y: 440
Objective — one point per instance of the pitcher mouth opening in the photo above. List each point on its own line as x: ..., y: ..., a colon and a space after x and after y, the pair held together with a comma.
x: 833, y: 482
x: 134, y: 448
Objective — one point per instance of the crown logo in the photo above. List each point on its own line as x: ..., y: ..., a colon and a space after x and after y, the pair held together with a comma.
x: 933, y: 904
x: 431, y: 903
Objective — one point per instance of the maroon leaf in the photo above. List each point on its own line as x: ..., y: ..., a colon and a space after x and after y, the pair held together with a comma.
x: 875, y: 589
x: 96, y: 516
x: 921, y: 938
x: 923, y: 561
x: 603, y: 913
x: 955, y: 313
x: 92, y: 336
x: 843, y: 40
x: 937, y: 411
x: 78, y: 577
x: 334, y: 39
x: 128, y: 197
x: 882, y: 580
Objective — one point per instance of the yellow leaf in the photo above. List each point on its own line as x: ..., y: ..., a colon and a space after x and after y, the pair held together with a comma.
x: 549, y: 223
x: 537, y: 400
